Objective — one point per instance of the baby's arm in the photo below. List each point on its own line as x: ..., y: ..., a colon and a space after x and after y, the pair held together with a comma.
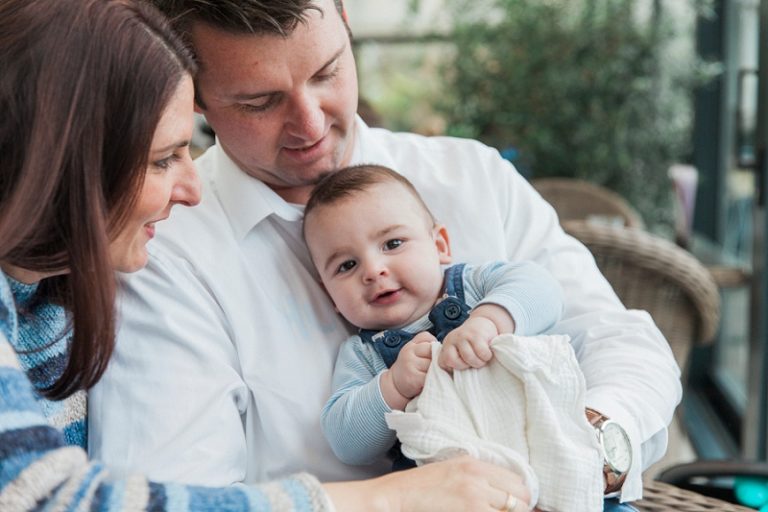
x: 363, y: 391
x: 512, y: 297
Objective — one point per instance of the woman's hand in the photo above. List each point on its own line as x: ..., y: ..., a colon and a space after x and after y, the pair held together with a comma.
x: 459, y: 484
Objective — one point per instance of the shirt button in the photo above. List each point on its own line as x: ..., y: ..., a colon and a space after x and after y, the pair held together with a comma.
x: 452, y: 312
x: 392, y: 340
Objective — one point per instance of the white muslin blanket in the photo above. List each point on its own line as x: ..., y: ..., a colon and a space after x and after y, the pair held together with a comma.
x: 524, y: 410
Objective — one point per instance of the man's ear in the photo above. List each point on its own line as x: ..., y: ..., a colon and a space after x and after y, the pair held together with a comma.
x: 442, y: 243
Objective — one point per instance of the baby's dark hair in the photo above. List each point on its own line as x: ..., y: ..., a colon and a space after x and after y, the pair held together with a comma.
x: 346, y: 182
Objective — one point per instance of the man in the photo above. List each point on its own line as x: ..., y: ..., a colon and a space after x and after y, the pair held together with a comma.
x: 228, y: 341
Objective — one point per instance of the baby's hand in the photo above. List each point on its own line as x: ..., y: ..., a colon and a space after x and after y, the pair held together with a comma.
x: 468, y: 345
x: 408, y: 373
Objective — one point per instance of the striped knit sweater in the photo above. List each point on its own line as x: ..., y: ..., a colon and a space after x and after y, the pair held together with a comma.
x: 43, y: 465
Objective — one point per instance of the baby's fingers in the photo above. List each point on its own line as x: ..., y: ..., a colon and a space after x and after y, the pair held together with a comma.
x: 483, y: 350
x: 468, y: 354
x: 423, y: 337
x: 449, y: 359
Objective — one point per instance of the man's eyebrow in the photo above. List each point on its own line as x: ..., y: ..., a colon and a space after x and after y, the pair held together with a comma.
x: 334, y: 57
x: 256, y: 95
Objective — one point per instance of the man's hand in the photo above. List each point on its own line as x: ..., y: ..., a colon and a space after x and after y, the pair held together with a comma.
x: 405, y: 379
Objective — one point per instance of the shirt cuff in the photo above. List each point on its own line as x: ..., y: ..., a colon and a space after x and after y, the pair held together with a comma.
x: 633, y: 485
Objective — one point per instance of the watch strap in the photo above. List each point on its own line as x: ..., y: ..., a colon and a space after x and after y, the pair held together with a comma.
x: 613, y: 479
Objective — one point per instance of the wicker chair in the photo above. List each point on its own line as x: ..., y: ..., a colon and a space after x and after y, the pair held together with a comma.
x: 575, y: 199
x: 648, y: 272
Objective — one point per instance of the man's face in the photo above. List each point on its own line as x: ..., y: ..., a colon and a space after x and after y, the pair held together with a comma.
x: 282, y: 108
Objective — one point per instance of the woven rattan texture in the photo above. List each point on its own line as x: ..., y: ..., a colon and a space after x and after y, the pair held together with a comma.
x: 575, y: 199
x: 650, y: 273
x: 661, y: 497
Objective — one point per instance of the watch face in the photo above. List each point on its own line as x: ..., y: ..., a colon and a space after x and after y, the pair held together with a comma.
x: 616, y: 445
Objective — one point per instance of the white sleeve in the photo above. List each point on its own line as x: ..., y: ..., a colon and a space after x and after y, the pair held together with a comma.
x: 170, y: 403
x: 631, y: 374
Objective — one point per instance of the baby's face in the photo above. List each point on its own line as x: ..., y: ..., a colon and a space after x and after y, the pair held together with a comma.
x: 379, y: 256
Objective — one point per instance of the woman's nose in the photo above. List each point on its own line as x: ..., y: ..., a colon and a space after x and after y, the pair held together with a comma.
x: 186, y: 190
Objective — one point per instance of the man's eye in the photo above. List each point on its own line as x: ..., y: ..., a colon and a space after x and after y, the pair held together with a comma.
x: 392, y: 244
x: 328, y: 75
x: 346, y: 266
x: 258, y: 105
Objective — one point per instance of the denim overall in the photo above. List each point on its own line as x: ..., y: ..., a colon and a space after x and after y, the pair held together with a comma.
x: 445, y: 316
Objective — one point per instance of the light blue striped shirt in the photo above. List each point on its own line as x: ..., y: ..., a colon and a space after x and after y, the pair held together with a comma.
x: 353, y: 418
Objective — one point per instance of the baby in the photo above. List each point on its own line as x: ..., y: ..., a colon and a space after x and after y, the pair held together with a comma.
x: 382, y: 259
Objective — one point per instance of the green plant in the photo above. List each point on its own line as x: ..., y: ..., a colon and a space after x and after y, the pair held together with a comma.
x: 585, y: 89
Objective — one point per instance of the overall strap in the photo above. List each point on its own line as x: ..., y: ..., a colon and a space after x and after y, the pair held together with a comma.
x: 452, y: 310
x: 448, y: 314
x: 454, y: 281
x: 387, y: 343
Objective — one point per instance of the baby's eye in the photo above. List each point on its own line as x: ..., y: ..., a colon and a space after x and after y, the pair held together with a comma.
x: 392, y: 244
x: 346, y: 266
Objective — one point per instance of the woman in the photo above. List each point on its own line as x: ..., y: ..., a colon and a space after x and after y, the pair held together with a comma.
x: 95, y: 122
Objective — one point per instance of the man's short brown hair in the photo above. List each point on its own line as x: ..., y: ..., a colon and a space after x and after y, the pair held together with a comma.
x: 278, y: 17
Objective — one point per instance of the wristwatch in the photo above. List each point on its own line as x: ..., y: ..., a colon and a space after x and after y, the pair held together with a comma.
x: 616, y: 448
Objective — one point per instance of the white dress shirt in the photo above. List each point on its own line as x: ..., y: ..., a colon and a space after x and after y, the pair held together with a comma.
x: 227, y: 341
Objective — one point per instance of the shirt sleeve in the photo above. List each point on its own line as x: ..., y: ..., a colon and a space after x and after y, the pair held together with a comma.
x: 38, y: 469
x: 526, y: 290
x: 630, y: 372
x: 353, y: 419
x: 173, y: 395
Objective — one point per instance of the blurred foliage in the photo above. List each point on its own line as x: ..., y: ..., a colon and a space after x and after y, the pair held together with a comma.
x: 579, y: 88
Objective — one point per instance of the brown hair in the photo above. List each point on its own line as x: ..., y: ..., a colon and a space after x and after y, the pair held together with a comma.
x: 82, y: 89
x: 244, y: 17
x: 345, y: 182
x: 278, y: 17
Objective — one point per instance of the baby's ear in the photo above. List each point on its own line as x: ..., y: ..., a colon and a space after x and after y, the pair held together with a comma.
x: 442, y: 243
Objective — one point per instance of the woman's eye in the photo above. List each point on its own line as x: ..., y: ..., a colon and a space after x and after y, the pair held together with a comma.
x: 346, y: 266
x: 392, y: 244
x: 165, y: 163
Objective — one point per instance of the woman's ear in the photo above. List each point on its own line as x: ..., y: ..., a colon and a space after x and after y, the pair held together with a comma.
x: 443, y: 245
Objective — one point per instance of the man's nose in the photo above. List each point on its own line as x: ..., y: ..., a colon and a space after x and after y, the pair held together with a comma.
x: 306, y: 121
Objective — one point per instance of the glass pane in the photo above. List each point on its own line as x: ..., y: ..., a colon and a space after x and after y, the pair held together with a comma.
x: 732, y: 350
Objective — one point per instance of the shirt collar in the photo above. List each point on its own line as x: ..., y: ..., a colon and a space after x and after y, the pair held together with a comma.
x: 246, y: 200
x: 367, y: 150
